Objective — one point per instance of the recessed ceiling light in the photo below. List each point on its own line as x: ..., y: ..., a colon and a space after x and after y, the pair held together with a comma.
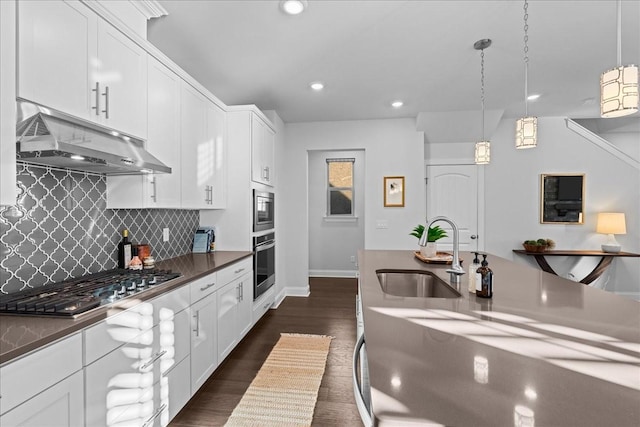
x: 533, y: 97
x: 293, y: 7
x: 317, y: 85
x: 397, y: 104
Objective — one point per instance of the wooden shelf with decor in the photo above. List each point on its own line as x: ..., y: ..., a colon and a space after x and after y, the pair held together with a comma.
x: 605, y: 261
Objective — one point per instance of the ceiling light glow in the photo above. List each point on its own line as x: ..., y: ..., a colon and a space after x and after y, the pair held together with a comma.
x: 533, y: 97
x: 317, y: 86
x: 77, y: 157
x: 397, y: 104
x: 293, y: 7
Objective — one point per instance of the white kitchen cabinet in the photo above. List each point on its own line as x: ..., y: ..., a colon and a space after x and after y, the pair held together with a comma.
x: 44, y: 385
x: 163, y: 113
x: 216, y: 131
x: 71, y: 60
x: 262, y: 151
x: 7, y: 103
x: 60, y: 405
x: 262, y: 304
x: 204, y: 346
x: 197, y: 162
x: 234, y: 313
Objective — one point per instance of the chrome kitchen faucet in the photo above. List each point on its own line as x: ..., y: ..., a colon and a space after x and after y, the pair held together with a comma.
x: 456, y: 270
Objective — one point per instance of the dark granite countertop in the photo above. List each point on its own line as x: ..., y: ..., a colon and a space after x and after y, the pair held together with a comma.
x: 22, y: 334
x: 543, y: 349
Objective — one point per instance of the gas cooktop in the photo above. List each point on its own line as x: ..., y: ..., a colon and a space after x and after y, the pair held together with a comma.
x: 74, y: 297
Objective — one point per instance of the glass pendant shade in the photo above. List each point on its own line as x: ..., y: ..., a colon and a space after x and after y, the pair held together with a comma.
x: 483, y: 152
x: 527, y: 132
x: 619, y: 91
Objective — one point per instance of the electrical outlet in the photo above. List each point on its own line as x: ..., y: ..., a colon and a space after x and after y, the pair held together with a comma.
x: 382, y: 223
x: 353, y: 258
x: 165, y: 234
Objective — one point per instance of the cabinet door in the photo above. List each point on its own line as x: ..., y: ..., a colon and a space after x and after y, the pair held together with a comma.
x: 216, y: 129
x: 163, y: 136
x: 197, y: 151
x: 59, y: 405
x: 7, y: 103
x: 122, y: 73
x: 228, y: 298
x: 245, y: 306
x: 258, y: 171
x: 204, y: 347
x: 56, y: 47
x: 268, y: 139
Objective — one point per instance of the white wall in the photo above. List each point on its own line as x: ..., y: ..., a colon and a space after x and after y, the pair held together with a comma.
x: 512, y: 188
x: 392, y: 148
x: 334, y: 241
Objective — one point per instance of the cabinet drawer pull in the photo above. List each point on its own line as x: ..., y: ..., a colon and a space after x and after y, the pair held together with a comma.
x: 154, y: 416
x: 106, y: 102
x: 197, y: 329
x: 240, y: 270
x: 97, y: 91
x: 204, y: 288
x: 153, y: 360
x: 154, y: 195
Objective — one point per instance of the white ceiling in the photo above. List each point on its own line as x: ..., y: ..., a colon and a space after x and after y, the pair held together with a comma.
x: 369, y: 53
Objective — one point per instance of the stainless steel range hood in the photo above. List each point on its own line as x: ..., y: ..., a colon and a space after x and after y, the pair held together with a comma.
x: 49, y: 137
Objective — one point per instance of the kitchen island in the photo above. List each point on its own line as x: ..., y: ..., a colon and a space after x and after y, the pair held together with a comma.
x: 543, y: 351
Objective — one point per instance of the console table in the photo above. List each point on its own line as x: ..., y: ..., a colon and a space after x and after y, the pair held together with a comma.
x: 605, y: 261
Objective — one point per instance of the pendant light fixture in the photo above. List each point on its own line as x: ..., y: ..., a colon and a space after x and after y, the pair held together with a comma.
x: 527, y: 126
x: 483, y: 148
x: 619, y: 86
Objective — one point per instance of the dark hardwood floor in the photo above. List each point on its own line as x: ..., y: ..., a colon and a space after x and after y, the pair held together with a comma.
x: 329, y: 310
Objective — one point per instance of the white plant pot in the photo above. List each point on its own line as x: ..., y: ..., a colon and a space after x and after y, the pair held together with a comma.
x: 429, y: 251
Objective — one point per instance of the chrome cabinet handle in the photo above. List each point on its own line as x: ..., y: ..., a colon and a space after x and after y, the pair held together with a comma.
x: 242, y: 291
x: 365, y: 413
x: 106, y: 102
x: 154, y: 416
x: 153, y: 360
x: 211, y: 195
x: 204, y: 288
x: 97, y: 91
x: 154, y: 195
x: 197, y: 329
x: 238, y: 296
x: 238, y: 271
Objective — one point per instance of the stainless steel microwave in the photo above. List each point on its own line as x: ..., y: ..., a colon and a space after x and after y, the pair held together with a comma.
x: 263, y: 211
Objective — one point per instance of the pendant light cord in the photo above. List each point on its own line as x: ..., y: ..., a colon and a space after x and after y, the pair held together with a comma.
x: 526, y: 58
x: 482, y: 88
x: 619, y: 11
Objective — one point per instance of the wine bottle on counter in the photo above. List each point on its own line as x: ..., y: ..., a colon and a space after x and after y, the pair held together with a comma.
x: 124, y: 250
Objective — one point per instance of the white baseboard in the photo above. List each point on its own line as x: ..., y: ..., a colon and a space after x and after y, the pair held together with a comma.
x: 279, y: 298
x: 632, y: 295
x: 333, y: 273
x: 297, y: 291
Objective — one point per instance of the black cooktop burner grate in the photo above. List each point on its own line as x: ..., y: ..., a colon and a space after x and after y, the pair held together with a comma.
x: 76, y: 296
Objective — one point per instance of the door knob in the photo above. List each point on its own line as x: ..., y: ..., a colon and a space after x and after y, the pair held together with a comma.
x: 473, y: 237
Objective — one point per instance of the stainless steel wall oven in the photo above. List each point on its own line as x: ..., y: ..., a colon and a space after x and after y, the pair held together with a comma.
x: 264, y: 263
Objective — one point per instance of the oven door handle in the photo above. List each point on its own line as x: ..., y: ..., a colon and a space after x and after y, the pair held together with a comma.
x: 265, y: 246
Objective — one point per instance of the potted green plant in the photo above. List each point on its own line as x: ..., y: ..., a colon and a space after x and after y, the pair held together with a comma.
x: 434, y: 234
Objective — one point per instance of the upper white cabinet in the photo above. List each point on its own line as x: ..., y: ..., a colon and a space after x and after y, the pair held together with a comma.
x: 262, y: 154
x: 71, y: 60
x: 203, y: 145
x: 7, y: 103
x: 155, y: 190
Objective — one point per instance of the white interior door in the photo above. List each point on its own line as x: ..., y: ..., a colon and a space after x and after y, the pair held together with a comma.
x: 452, y: 191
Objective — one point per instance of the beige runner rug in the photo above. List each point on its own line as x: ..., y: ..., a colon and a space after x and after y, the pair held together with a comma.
x: 285, y: 390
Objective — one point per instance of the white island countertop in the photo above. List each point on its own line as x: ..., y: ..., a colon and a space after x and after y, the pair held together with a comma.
x: 543, y: 351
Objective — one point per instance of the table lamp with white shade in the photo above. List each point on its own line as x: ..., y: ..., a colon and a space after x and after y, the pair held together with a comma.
x: 611, y: 223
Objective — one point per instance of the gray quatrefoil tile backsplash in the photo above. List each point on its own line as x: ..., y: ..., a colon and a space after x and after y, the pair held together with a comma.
x: 60, y: 228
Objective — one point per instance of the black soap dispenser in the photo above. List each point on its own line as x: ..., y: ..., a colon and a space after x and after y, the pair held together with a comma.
x: 484, y: 289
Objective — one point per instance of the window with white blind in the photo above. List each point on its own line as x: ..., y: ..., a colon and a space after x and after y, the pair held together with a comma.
x: 340, y: 188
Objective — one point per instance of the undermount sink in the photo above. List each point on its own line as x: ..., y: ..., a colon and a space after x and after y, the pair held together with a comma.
x: 415, y: 283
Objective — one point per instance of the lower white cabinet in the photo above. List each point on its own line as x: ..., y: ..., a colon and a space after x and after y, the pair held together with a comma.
x: 59, y: 405
x: 204, y: 357
x: 262, y: 304
x: 234, y: 313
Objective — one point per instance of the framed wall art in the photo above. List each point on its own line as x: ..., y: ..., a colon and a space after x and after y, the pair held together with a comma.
x: 394, y: 191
